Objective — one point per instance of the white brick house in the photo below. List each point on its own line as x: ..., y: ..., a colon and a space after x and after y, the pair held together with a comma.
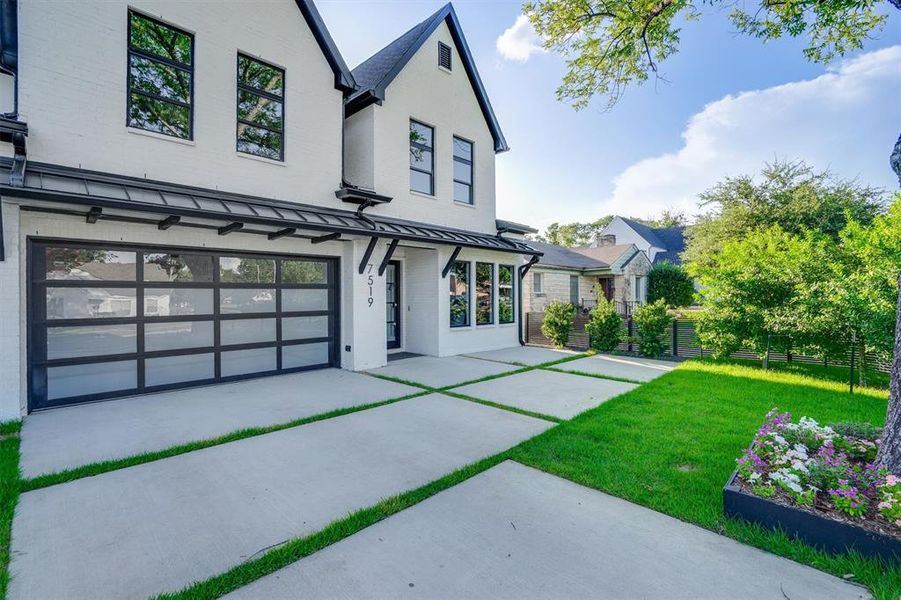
x: 193, y: 195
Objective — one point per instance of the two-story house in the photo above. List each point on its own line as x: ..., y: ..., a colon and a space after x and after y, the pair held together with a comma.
x: 196, y: 193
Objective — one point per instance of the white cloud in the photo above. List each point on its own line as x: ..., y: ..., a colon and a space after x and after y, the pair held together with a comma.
x: 846, y: 119
x: 519, y: 41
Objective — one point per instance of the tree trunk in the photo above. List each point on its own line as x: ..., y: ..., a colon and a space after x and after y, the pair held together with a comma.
x: 890, y: 451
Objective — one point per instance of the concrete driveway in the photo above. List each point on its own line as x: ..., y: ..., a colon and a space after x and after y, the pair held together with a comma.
x: 159, y: 526
x: 625, y: 367
x: 69, y: 437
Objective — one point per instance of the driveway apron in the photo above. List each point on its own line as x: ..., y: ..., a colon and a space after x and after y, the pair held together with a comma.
x: 515, y: 532
x: 160, y: 526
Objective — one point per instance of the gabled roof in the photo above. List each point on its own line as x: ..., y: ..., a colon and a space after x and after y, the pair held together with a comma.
x: 607, y: 254
x: 566, y: 258
x: 344, y: 79
x: 671, y: 239
x: 377, y: 72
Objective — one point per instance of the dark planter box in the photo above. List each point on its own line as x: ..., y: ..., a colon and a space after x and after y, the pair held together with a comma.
x: 819, y: 531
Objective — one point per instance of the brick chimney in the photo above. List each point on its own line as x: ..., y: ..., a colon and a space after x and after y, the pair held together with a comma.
x: 604, y: 239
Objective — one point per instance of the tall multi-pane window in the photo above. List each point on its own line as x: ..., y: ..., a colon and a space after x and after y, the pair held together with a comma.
x: 462, y: 170
x: 536, y: 283
x: 459, y: 294
x: 484, y: 293
x: 505, y: 293
x: 160, y: 77
x: 261, y: 109
x: 422, y: 158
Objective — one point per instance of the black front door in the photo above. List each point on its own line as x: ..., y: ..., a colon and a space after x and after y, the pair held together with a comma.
x: 392, y: 303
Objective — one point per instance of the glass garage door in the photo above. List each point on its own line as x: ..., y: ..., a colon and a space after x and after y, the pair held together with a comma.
x: 110, y: 321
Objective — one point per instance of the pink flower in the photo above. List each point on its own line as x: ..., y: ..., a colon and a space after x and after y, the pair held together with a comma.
x: 891, y: 480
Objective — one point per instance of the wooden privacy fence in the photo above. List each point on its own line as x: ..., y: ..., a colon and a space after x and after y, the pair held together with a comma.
x: 681, y: 341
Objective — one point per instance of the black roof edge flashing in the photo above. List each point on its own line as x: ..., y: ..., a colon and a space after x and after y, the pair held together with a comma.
x: 504, y: 226
x: 344, y: 79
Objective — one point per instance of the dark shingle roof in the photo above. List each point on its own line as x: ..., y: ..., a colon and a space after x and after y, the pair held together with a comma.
x: 370, y: 73
x: 670, y: 238
x: 375, y: 73
x: 558, y: 256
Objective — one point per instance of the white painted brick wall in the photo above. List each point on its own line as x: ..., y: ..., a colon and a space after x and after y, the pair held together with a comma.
x: 12, y: 352
x: 445, y: 101
x: 72, y: 93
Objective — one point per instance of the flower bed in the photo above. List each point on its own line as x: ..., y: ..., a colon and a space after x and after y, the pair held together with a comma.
x: 825, y: 471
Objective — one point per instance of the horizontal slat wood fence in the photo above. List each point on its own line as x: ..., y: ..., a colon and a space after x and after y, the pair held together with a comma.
x: 682, y: 341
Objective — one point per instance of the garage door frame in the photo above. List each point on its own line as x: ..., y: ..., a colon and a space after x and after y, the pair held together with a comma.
x: 37, y: 362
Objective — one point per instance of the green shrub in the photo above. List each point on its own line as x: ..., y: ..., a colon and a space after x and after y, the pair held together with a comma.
x: 605, y: 326
x: 672, y: 284
x: 652, y: 321
x: 558, y: 322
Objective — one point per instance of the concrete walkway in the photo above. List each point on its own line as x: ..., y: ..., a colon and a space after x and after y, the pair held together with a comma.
x: 523, y: 355
x: 157, y: 527
x: 514, y: 532
x: 77, y: 435
x: 444, y: 371
x: 561, y: 395
x: 627, y: 367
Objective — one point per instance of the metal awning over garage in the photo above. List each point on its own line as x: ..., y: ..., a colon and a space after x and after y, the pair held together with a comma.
x: 99, y: 191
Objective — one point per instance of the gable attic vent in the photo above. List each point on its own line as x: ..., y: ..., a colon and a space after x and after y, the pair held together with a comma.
x: 444, y: 56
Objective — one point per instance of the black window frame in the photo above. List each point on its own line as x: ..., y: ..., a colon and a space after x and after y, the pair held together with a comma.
x: 468, y: 294
x: 423, y: 148
x: 469, y: 162
x: 512, y: 288
x: 444, y: 49
x: 242, y: 87
x: 144, y: 54
x: 492, y: 285
x: 37, y: 321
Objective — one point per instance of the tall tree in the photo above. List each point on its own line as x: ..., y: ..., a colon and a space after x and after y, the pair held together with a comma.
x: 612, y: 44
x: 791, y: 195
x: 890, y: 450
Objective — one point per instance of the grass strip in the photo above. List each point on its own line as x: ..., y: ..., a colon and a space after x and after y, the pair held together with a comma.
x: 595, y: 375
x: 296, y: 549
x: 528, y: 413
x: 9, y: 494
x: 99, y: 468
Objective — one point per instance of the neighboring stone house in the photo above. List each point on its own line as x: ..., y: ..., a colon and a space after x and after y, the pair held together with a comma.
x: 572, y: 274
x: 658, y: 243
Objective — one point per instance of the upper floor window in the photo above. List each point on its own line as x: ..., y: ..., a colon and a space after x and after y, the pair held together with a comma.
x: 160, y: 77
x: 422, y: 159
x: 444, y: 56
x: 462, y: 170
x: 261, y: 108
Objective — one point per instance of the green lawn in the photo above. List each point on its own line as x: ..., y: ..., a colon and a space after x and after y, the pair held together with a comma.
x: 9, y: 493
x: 671, y: 444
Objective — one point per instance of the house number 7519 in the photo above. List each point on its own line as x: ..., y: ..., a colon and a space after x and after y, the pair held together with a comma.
x: 369, y: 282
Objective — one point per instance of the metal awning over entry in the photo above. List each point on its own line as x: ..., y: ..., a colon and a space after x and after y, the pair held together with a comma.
x: 100, y: 191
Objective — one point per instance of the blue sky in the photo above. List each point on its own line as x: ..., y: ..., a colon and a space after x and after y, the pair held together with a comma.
x: 731, y: 103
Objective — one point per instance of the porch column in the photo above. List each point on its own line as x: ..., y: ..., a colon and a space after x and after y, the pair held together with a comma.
x: 363, y: 326
x: 11, y: 317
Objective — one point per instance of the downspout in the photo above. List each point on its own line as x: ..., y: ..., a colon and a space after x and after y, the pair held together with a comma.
x: 523, y: 269
x: 9, y: 46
